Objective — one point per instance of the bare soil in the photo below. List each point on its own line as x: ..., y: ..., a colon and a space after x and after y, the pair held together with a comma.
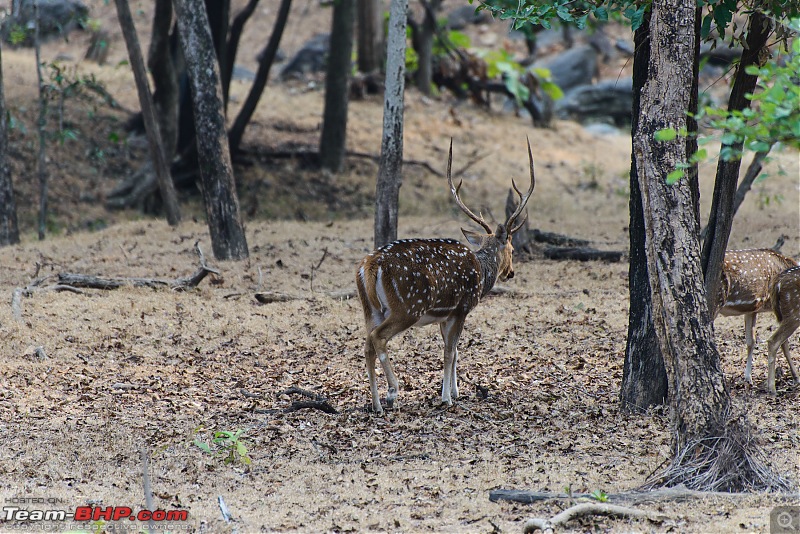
x: 123, y: 370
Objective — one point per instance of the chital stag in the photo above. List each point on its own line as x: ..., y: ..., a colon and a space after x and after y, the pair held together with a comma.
x: 748, y: 277
x: 786, y: 303
x: 415, y: 282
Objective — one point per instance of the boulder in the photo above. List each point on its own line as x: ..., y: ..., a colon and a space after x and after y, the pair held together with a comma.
x: 312, y: 57
x: 56, y: 18
x: 608, y: 101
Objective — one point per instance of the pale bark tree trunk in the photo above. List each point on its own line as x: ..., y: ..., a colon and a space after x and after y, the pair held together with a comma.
x: 644, y: 379
x: 334, y: 122
x: 387, y: 190
x: 370, y: 35
x: 219, y: 189
x: 160, y: 163
x: 9, y: 232
x: 681, y: 318
x: 723, y: 202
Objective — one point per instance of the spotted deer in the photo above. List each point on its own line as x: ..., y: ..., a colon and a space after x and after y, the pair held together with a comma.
x: 748, y: 277
x: 416, y: 282
x: 786, y: 304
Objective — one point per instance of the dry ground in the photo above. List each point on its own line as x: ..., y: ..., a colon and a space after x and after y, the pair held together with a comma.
x: 135, y: 368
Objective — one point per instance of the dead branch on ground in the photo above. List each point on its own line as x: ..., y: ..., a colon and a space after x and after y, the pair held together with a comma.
x: 317, y: 402
x: 589, y: 509
x: 677, y: 494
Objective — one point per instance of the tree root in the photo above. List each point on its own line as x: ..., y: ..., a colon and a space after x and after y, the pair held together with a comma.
x: 587, y: 509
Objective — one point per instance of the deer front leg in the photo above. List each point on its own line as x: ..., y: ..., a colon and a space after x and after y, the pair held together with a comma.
x: 451, y: 331
x: 749, y: 336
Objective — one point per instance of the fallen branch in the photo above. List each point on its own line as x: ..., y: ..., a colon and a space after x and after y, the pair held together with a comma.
x: 582, y: 254
x: 558, y: 239
x: 74, y: 280
x: 678, y: 493
x: 588, y: 509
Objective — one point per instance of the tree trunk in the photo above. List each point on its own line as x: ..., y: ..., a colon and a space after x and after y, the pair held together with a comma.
x: 9, y: 232
x: 644, y: 379
x: 423, y: 44
x: 387, y: 190
x: 334, y: 122
x: 237, y: 27
x: 370, y: 35
x: 219, y: 189
x: 166, y: 94
x: 219, y: 16
x: 160, y: 163
x: 40, y: 126
x: 722, y: 204
x: 264, y: 65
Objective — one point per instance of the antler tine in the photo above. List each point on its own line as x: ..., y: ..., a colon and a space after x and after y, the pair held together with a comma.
x: 523, y: 199
x: 454, y: 191
x: 518, y: 225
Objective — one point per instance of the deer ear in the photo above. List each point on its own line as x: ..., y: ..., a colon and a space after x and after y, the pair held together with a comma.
x: 501, y: 233
x: 474, y: 238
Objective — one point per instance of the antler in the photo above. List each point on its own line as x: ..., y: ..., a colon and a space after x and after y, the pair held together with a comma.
x: 523, y: 199
x: 454, y: 190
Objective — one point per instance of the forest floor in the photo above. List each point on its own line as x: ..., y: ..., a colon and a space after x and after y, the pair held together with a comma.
x: 89, y: 379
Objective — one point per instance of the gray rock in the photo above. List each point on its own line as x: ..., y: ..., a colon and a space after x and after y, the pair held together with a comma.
x: 56, y: 18
x: 312, y: 57
x: 575, y: 67
x: 608, y: 101
x: 460, y: 17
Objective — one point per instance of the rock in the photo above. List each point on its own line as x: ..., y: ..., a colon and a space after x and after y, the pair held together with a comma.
x: 608, y: 101
x: 312, y: 57
x: 460, y: 17
x: 56, y: 18
x: 577, y: 66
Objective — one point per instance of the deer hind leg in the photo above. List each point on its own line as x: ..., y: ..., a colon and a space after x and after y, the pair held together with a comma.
x: 749, y: 336
x: 379, y: 337
x: 451, y: 331
x: 780, y: 339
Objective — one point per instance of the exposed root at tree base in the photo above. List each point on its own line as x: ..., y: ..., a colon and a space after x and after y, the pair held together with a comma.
x: 730, y: 462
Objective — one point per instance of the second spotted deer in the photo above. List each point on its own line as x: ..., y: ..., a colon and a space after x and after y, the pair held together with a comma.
x: 415, y: 282
x: 748, y: 278
x: 786, y: 304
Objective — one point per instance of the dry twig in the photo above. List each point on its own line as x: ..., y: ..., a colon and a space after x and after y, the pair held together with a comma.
x: 586, y: 509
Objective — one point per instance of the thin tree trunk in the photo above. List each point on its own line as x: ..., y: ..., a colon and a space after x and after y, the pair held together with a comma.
x: 164, y: 68
x: 334, y: 122
x: 264, y: 66
x: 423, y: 43
x: 387, y: 190
x: 237, y: 27
x: 722, y: 204
x: 160, y: 163
x: 40, y: 125
x: 9, y: 232
x: 219, y: 189
x: 644, y: 379
x: 370, y: 35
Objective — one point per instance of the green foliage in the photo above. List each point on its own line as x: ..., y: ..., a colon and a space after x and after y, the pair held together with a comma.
x: 226, y: 444
x: 773, y: 118
x: 17, y: 35
x: 527, y: 13
x: 599, y: 496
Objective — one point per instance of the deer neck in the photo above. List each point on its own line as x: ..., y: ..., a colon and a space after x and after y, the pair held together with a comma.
x: 487, y: 258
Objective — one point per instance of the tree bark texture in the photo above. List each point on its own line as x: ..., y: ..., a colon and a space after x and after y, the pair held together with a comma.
x: 390, y: 173
x: 700, y: 398
x: 723, y: 201
x: 423, y: 43
x: 9, y: 231
x: 40, y: 126
x: 257, y: 89
x: 644, y: 379
x: 334, y: 122
x: 219, y: 189
x: 370, y: 35
x: 160, y: 163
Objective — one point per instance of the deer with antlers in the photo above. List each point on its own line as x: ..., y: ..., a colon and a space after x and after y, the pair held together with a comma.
x: 748, y: 278
x: 416, y: 282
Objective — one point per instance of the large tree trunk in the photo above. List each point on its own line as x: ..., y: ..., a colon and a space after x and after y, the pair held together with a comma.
x: 644, y: 379
x: 387, y: 190
x: 9, y: 232
x: 334, y: 122
x: 264, y: 65
x: 219, y: 189
x: 157, y: 153
x: 712, y: 448
x: 370, y: 35
x: 723, y: 202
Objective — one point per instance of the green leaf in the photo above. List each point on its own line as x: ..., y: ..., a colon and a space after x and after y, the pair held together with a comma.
x: 667, y: 134
x: 601, y: 14
x: 674, y: 176
x: 202, y: 446
x: 705, y: 28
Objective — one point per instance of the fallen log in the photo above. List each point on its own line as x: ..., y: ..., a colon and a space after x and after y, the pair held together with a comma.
x: 582, y: 254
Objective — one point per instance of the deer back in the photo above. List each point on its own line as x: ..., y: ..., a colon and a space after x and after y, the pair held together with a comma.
x: 748, y: 277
